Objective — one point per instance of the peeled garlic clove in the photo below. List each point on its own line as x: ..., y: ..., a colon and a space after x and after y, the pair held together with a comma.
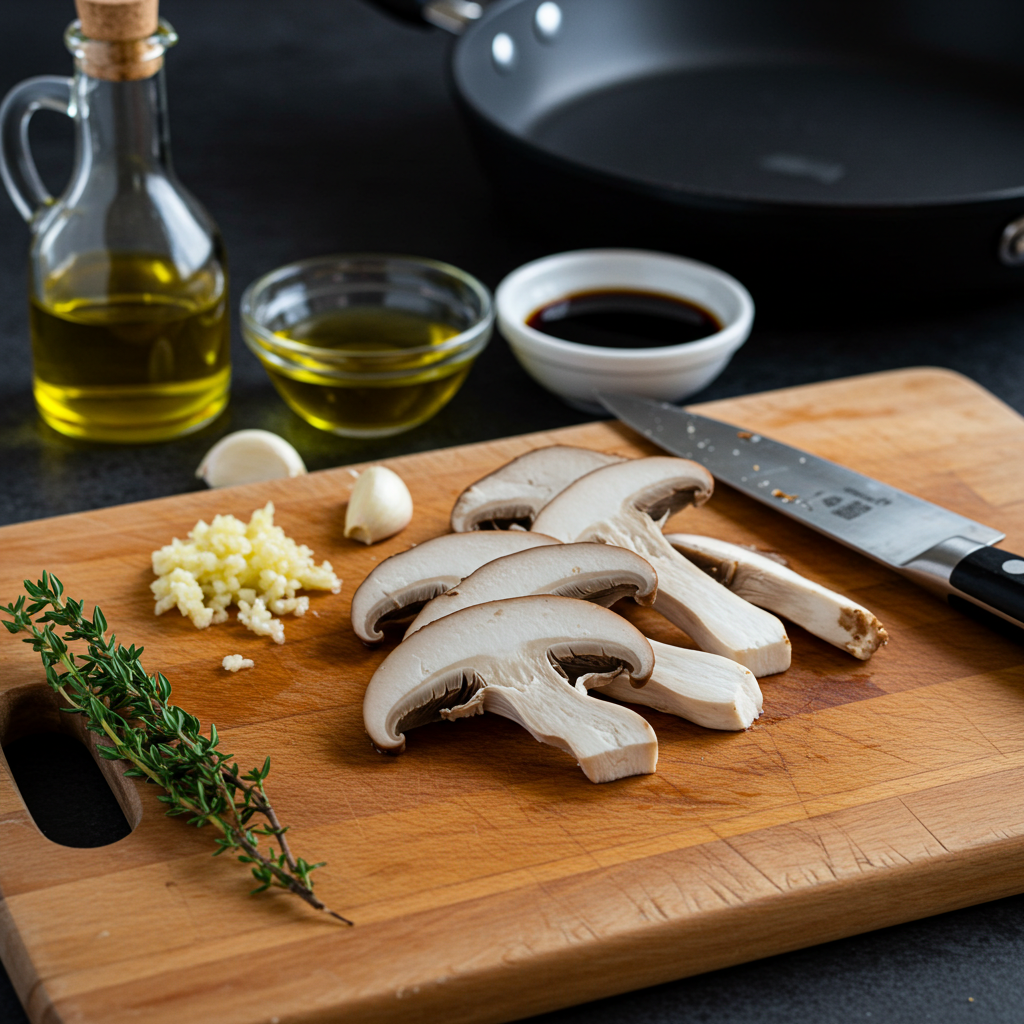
x: 249, y: 457
x: 380, y: 506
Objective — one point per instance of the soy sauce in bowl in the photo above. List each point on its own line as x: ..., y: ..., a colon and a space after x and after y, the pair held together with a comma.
x: 622, y: 318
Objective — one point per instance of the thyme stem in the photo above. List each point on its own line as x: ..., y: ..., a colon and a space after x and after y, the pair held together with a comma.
x: 163, y: 744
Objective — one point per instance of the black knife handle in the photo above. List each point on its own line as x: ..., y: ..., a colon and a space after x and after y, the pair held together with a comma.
x: 993, y: 577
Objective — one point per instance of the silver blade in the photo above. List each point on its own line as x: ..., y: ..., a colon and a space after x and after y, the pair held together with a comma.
x: 883, y: 522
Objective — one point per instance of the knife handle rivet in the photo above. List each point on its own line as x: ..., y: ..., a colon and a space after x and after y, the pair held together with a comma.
x: 1013, y: 566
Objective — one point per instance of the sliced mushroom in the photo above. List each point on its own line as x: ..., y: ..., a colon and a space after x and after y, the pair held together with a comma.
x: 626, y: 504
x: 397, y: 588
x: 763, y: 581
x: 705, y: 688
x: 593, y: 572
x: 517, y: 658
x: 513, y: 494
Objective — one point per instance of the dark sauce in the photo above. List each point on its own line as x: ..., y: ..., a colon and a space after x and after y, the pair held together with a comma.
x: 624, y: 319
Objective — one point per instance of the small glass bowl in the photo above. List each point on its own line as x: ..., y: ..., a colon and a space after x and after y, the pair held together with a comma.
x: 366, y: 345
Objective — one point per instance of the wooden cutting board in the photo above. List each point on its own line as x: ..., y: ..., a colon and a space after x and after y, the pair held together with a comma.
x: 488, y: 878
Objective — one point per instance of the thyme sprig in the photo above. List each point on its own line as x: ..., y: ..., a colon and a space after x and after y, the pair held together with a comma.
x: 163, y: 743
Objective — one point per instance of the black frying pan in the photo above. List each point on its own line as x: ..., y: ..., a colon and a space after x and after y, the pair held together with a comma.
x: 874, y: 143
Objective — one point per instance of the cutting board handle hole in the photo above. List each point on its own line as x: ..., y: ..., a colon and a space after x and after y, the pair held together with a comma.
x: 75, y: 798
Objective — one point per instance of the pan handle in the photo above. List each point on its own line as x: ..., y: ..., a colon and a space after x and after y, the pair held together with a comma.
x: 453, y: 16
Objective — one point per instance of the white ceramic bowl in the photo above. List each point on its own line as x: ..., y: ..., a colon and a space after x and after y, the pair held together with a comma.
x: 577, y: 372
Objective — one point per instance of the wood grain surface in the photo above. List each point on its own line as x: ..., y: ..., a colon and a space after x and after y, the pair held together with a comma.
x: 487, y: 877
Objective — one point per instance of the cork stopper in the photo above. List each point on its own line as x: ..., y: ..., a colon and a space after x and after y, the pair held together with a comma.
x: 115, y: 39
x: 117, y: 21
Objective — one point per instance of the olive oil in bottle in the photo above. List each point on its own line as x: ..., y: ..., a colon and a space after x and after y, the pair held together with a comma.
x: 127, y: 277
x: 382, y: 370
x: 124, y: 349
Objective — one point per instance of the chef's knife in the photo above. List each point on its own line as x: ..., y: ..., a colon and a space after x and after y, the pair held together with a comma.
x: 938, y: 549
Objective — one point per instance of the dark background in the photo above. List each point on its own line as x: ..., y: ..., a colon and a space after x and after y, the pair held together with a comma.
x: 323, y: 126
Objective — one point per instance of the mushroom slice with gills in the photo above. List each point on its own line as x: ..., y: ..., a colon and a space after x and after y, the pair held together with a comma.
x: 397, y: 588
x: 515, y: 493
x: 768, y: 584
x: 704, y: 688
x: 529, y: 659
x: 626, y: 504
x: 594, y: 572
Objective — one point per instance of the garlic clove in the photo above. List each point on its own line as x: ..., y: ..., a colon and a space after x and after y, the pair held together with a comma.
x: 380, y: 506
x: 249, y: 457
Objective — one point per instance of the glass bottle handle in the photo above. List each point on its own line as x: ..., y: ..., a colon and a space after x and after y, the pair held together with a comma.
x: 25, y: 187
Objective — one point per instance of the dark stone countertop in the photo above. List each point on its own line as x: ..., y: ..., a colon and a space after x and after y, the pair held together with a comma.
x: 326, y: 127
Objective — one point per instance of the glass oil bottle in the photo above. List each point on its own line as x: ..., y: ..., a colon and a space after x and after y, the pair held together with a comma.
x: 127, y: 275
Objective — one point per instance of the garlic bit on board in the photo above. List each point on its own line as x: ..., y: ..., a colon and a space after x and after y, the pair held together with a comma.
x: 380, y: 506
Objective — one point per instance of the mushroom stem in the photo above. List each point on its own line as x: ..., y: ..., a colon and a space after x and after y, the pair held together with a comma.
x: 717, y: 622
x: 706, y: 689
x: 607, y: 744
x: 766, y: 583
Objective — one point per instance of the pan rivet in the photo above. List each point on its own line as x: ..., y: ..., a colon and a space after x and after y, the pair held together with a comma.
x: 547, y: 21
x: 503, y: 50
x: 1011, y: 245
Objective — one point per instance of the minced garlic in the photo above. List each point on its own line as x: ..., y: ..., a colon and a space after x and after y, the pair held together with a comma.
x: 235, y: 663
x: 254, y: 565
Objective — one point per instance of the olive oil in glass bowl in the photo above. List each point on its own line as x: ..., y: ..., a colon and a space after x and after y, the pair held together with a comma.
x: 366, y: 345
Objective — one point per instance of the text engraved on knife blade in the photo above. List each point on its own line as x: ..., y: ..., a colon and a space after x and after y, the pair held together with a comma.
x: 882, y: 521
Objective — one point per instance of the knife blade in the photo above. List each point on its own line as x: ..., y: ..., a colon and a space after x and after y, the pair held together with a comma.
x: 938, y: 549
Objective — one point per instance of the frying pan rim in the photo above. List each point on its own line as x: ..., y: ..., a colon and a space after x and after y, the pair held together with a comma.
x: 707, y: 198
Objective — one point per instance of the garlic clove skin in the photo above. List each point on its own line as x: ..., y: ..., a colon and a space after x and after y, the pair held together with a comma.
x: 249, y: 457
x: 380, y: 506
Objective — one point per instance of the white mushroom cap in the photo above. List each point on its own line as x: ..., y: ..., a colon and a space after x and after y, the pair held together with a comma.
x: 401, y: 584
x: 516, y: 658
x: 764, y: 582
x: 654, y: 488
x: 594, y: 572
x: 521, y: 487
x: 625, y: 505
